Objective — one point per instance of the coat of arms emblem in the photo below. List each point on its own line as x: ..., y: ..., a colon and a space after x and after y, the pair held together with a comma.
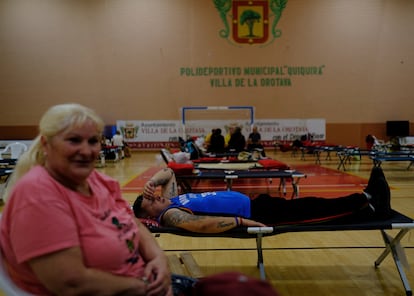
x: 250, y: 22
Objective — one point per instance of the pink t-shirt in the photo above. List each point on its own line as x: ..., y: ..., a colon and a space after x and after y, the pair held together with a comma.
x: 42, y: 216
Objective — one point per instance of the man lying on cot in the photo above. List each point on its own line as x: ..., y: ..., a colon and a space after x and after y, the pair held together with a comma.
x: 214, y: 212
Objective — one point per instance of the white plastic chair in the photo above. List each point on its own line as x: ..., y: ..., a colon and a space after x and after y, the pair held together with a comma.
x: 15, y: 150
x: 6, y: 284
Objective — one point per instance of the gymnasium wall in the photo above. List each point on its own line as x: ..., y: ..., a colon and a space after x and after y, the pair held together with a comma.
x: 350, y: 62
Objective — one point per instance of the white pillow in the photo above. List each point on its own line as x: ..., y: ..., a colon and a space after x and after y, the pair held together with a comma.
x: 181, y: 157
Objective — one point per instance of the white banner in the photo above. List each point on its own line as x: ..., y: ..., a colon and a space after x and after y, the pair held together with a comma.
x: 291, y: 129
x: 158, y: 133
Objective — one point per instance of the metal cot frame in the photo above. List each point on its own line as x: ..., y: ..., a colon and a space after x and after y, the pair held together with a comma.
x: 392, y: 244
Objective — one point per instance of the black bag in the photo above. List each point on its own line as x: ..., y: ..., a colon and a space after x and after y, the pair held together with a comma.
x: 182, y: 285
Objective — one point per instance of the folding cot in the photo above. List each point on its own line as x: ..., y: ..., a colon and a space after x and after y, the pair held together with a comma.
x: 317, y: 150
x: 8, y: 163
x: 228, y: 165
x: 5, y: 172
x: 230, y: 171
x: 208, y: 158
x: 4, y: 177
x: 392, y: 244
x: 379, y: 158
x: 230, y: 175
x: 346, y: 154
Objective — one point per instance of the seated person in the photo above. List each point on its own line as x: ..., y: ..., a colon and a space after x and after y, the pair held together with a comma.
x: 216, y: 142
x: 371, y: 142
x: 192, y: 148
x: 297, y: 144
x: 237, y: 142
x: 104, y: 141
x: 230, y: 131
x: 214, y: 212
x: 254, y: 141
x: 207, y: 139
x: 66, y: 229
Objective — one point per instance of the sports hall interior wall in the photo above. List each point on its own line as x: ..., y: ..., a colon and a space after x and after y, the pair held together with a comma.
x: 124, y: 59
x: 339, y: 134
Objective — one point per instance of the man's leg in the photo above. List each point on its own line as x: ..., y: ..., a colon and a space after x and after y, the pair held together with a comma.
x: 375, y: 202
x: 379, y: 193
x: 271, y: 210
x: 376, y: 173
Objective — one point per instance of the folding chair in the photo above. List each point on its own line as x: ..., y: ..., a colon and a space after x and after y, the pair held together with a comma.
x: 15, y: 150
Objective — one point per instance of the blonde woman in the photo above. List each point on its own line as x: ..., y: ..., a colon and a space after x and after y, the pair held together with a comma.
x: 65, y: 229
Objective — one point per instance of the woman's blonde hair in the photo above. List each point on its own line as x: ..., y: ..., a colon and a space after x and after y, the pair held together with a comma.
x: 55, y: 120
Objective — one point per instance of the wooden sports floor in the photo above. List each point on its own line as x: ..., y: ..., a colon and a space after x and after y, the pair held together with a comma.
x: 303, y: 263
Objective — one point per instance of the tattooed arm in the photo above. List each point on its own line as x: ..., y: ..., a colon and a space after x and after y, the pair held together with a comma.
x: 164, y: 178
x: 175, y: 217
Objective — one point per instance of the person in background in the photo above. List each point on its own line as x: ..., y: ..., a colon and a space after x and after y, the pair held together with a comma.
x: 65, y: 228
x: 207, y: 140
x: 104, y: 141
x: 118, y: 141
x: 254, y: 141
x: 219, y: 211
x: 371, y: 142
x: 237, y: 141
x: 192, y: 148
x: 127, y: 150
x: 216, y: 142
x: 227, y: 137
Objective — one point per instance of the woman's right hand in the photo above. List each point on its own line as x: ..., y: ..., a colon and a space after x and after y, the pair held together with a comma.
x: 159, y: 277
